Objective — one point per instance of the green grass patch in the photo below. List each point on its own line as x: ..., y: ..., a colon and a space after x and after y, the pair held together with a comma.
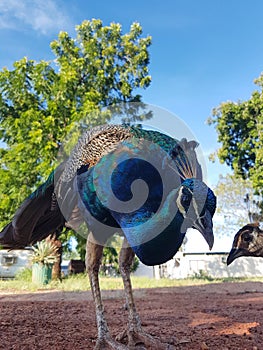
x: 80, y: 282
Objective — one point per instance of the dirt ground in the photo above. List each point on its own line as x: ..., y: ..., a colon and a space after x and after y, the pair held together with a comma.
x: 216, y: 316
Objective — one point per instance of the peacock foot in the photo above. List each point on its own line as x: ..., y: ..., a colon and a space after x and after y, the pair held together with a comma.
x: 108, y: 343
x: 140, y: 340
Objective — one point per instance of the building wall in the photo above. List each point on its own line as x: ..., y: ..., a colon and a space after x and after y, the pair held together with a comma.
x: 13, y: 261
x: 185, y: 265
x: 144, y: 271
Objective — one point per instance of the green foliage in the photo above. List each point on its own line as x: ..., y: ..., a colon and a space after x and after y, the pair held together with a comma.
x: 135, y: 264
x: 44, y: 252
x: 202, y: 275
x: 110, y: 258
x: 236, y: 203
x: 110, y: 262
x: 24, y: 275
x: 40, y: 102
x: 72, y: 254
x: 240, y: 131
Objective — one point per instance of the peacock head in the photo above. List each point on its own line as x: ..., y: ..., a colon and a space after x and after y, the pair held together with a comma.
x: 248, y: 241
x: 197, y: 204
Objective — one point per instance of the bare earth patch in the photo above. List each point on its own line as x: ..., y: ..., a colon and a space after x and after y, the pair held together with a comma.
x: 216, y: 316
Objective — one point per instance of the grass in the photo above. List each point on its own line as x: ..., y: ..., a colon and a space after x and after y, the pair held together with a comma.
x: 80, y: 282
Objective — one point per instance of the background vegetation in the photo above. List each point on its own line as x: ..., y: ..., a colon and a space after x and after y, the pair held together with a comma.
x: 239, y: 125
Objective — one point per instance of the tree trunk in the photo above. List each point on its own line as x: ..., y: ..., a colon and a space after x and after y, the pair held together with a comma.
x: 56, y: 270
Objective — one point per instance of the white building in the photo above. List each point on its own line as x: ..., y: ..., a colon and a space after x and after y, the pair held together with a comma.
x: 12, y: 261
x: 212, y: 264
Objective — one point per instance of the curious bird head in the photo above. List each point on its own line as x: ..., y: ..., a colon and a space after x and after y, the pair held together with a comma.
x: 248, y: 241
x: 197, y: 204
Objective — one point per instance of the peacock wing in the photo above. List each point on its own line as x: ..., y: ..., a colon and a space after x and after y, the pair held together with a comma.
x: 36, y: 217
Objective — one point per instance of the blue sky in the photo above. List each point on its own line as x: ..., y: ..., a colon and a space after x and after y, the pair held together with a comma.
x: 203, y: 52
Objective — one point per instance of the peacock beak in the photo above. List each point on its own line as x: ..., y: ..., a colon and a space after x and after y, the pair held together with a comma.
x: 204, y: 225
x: 233, y: 255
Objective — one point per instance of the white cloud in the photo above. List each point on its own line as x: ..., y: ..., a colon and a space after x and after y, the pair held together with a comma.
x: 44, y: 16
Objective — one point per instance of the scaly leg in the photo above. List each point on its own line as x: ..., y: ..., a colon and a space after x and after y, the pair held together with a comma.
x: 137, y: 338
x: 93, y: 261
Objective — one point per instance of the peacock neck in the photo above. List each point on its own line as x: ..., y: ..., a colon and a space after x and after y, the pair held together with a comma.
x: 161, y: 237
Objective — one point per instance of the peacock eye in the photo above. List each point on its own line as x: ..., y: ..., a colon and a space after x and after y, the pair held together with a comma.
x: 247, y: 238
x: 186, y: 198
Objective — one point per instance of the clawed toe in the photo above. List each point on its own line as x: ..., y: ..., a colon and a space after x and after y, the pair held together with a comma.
x: 142, y: 341
x: 108, y: 343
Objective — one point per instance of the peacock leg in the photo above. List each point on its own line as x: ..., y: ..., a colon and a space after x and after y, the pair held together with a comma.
x: 137, y: 338
x: 93, y: 261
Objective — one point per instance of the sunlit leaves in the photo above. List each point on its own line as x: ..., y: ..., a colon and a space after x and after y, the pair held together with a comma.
x: 240, y: 131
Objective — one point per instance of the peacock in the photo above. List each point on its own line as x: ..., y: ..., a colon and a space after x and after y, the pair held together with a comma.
x: 248, y: 241
x: 120, y: 179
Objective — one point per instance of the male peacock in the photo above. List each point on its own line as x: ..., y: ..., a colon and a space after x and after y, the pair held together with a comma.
x: 141, y: 183
x: 248, y: 241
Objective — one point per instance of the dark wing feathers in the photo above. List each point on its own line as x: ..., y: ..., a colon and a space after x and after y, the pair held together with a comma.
x: 34, y: 220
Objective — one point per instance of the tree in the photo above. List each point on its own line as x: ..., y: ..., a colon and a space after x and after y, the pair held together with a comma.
x: 240, y: 131
x: 236, y: 204
x: 41, y: 101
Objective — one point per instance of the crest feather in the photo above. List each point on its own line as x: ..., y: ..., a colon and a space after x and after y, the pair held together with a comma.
x: 185, y: 159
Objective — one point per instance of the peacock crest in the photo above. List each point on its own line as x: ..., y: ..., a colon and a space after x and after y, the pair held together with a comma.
x: 184, y: 157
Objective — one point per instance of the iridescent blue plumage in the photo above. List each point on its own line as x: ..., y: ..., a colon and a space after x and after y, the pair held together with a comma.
x: 148, y: 214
